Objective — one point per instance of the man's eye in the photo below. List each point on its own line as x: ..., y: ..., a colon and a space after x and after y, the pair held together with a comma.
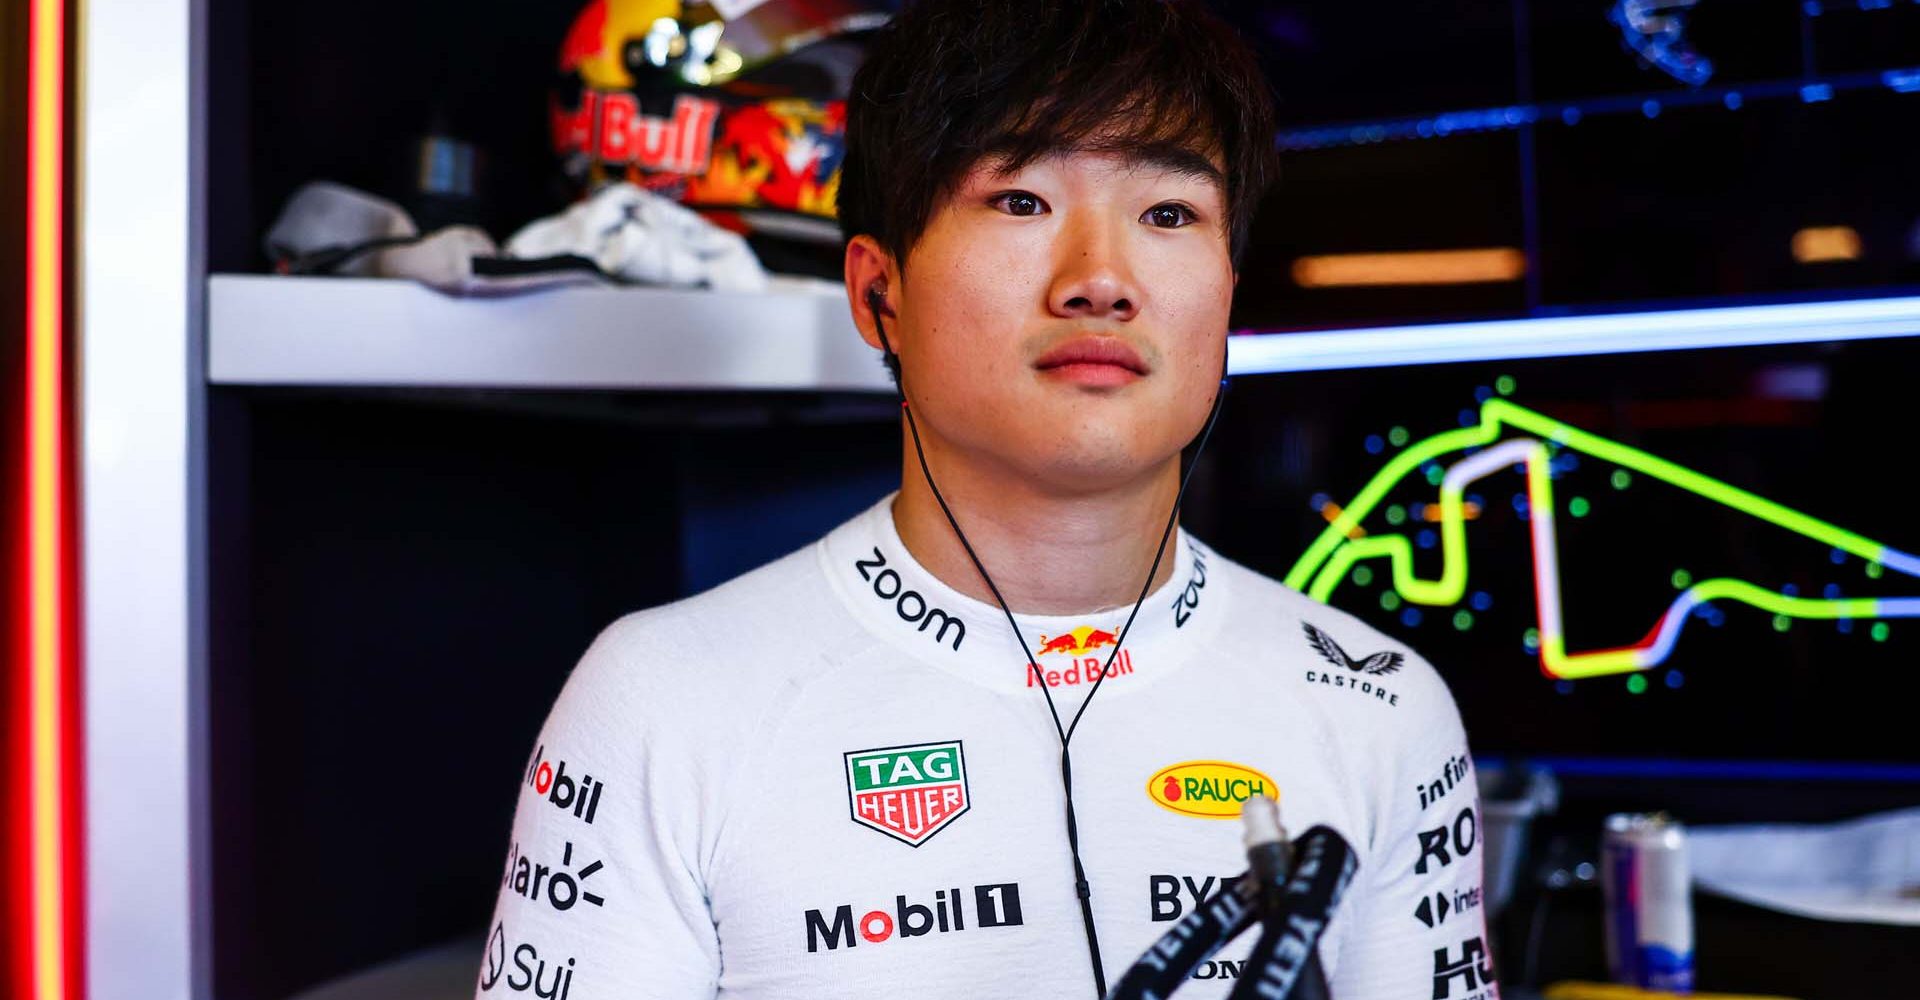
x: 1021, y: 203
x: 1170, y: 216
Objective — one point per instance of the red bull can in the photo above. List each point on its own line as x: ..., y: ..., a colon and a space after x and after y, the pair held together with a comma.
x: 1649, y: 911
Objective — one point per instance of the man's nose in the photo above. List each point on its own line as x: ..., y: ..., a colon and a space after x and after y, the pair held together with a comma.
x: 1092, y: 278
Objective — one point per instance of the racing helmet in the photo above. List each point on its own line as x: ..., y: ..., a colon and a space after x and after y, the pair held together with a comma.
x: 735, y: 108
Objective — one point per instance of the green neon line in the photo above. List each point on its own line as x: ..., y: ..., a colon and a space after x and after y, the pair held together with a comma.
x: 1501, y: 410
x: 1412, y: 458
x: 1332, y: 553
x: 1781, y: 604
x: 1496, y: 411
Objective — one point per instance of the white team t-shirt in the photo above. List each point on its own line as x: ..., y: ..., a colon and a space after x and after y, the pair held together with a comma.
x: 836, y: 777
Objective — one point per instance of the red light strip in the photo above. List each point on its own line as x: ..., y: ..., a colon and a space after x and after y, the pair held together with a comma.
x: 46, y: 500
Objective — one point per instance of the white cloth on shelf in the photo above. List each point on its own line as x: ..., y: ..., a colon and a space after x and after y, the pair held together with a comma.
x: 323, y: 215
x: 1866, y: 869
x: 636, y: 235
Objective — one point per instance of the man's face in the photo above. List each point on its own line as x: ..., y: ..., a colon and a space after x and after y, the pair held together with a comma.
x: 1067, y: 321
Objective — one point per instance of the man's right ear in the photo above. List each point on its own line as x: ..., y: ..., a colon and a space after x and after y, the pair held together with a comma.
x: 868, y: 270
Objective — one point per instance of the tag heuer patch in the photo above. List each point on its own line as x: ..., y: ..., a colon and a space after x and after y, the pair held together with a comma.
x: 908, y: 793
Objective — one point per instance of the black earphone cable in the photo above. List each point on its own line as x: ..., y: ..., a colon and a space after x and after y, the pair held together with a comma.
x: 1082, y: 888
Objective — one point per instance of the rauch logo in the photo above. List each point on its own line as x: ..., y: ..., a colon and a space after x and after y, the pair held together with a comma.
x: 908, y: 793
x: 1208, y: 789
x: 996, y: 905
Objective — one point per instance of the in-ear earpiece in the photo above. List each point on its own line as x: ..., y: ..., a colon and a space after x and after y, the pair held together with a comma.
x: 876, y: 302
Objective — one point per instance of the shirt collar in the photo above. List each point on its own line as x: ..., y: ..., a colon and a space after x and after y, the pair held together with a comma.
x: 911, y: 610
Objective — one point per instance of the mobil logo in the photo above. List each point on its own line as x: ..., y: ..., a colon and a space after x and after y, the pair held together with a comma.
x: 908, y: 792
x: 1208, y: 789
x: 994, y: 905
x: 578, y: 794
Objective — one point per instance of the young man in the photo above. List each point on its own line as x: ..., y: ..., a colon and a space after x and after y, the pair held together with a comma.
x: 1045, y: 202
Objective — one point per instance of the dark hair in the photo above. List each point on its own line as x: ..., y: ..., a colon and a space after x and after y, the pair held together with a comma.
x: 949, y: 82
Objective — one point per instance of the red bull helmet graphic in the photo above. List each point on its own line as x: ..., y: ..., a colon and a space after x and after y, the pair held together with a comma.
x: 735, y: 109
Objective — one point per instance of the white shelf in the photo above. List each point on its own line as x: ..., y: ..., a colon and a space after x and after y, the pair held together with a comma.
x: 268, y: 330
x: 1617, y: 333
x: 286, y: 331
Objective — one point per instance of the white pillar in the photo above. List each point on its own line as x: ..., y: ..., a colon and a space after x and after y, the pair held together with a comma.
x: 140, y: 386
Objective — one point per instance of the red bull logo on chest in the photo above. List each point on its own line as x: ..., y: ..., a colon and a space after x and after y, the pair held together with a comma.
x: 909, y: 792
x: 1084, y: 639
x: 1089, y: 648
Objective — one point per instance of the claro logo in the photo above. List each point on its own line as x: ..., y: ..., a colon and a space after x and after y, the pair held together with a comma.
x: 1208, y: 789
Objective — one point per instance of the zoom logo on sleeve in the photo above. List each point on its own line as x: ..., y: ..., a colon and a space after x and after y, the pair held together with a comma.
x: 561, y: 887
x: 529, y: 970
x: 995, y: 905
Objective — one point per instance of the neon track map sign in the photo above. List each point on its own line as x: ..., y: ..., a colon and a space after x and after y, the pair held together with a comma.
x: 1508, y: 437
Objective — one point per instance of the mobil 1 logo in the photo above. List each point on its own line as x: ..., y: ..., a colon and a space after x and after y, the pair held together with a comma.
x: 575, y: 794
x: 994, y: 905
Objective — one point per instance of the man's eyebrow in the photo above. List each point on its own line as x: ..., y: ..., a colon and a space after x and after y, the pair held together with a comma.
x: 1175, y: 159
x: 1171, y: 157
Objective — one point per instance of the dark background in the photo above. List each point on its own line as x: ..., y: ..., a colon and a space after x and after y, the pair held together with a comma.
x: 401, y: 580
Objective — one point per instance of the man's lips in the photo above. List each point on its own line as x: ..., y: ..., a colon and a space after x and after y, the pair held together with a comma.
x: 1093, y: 360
